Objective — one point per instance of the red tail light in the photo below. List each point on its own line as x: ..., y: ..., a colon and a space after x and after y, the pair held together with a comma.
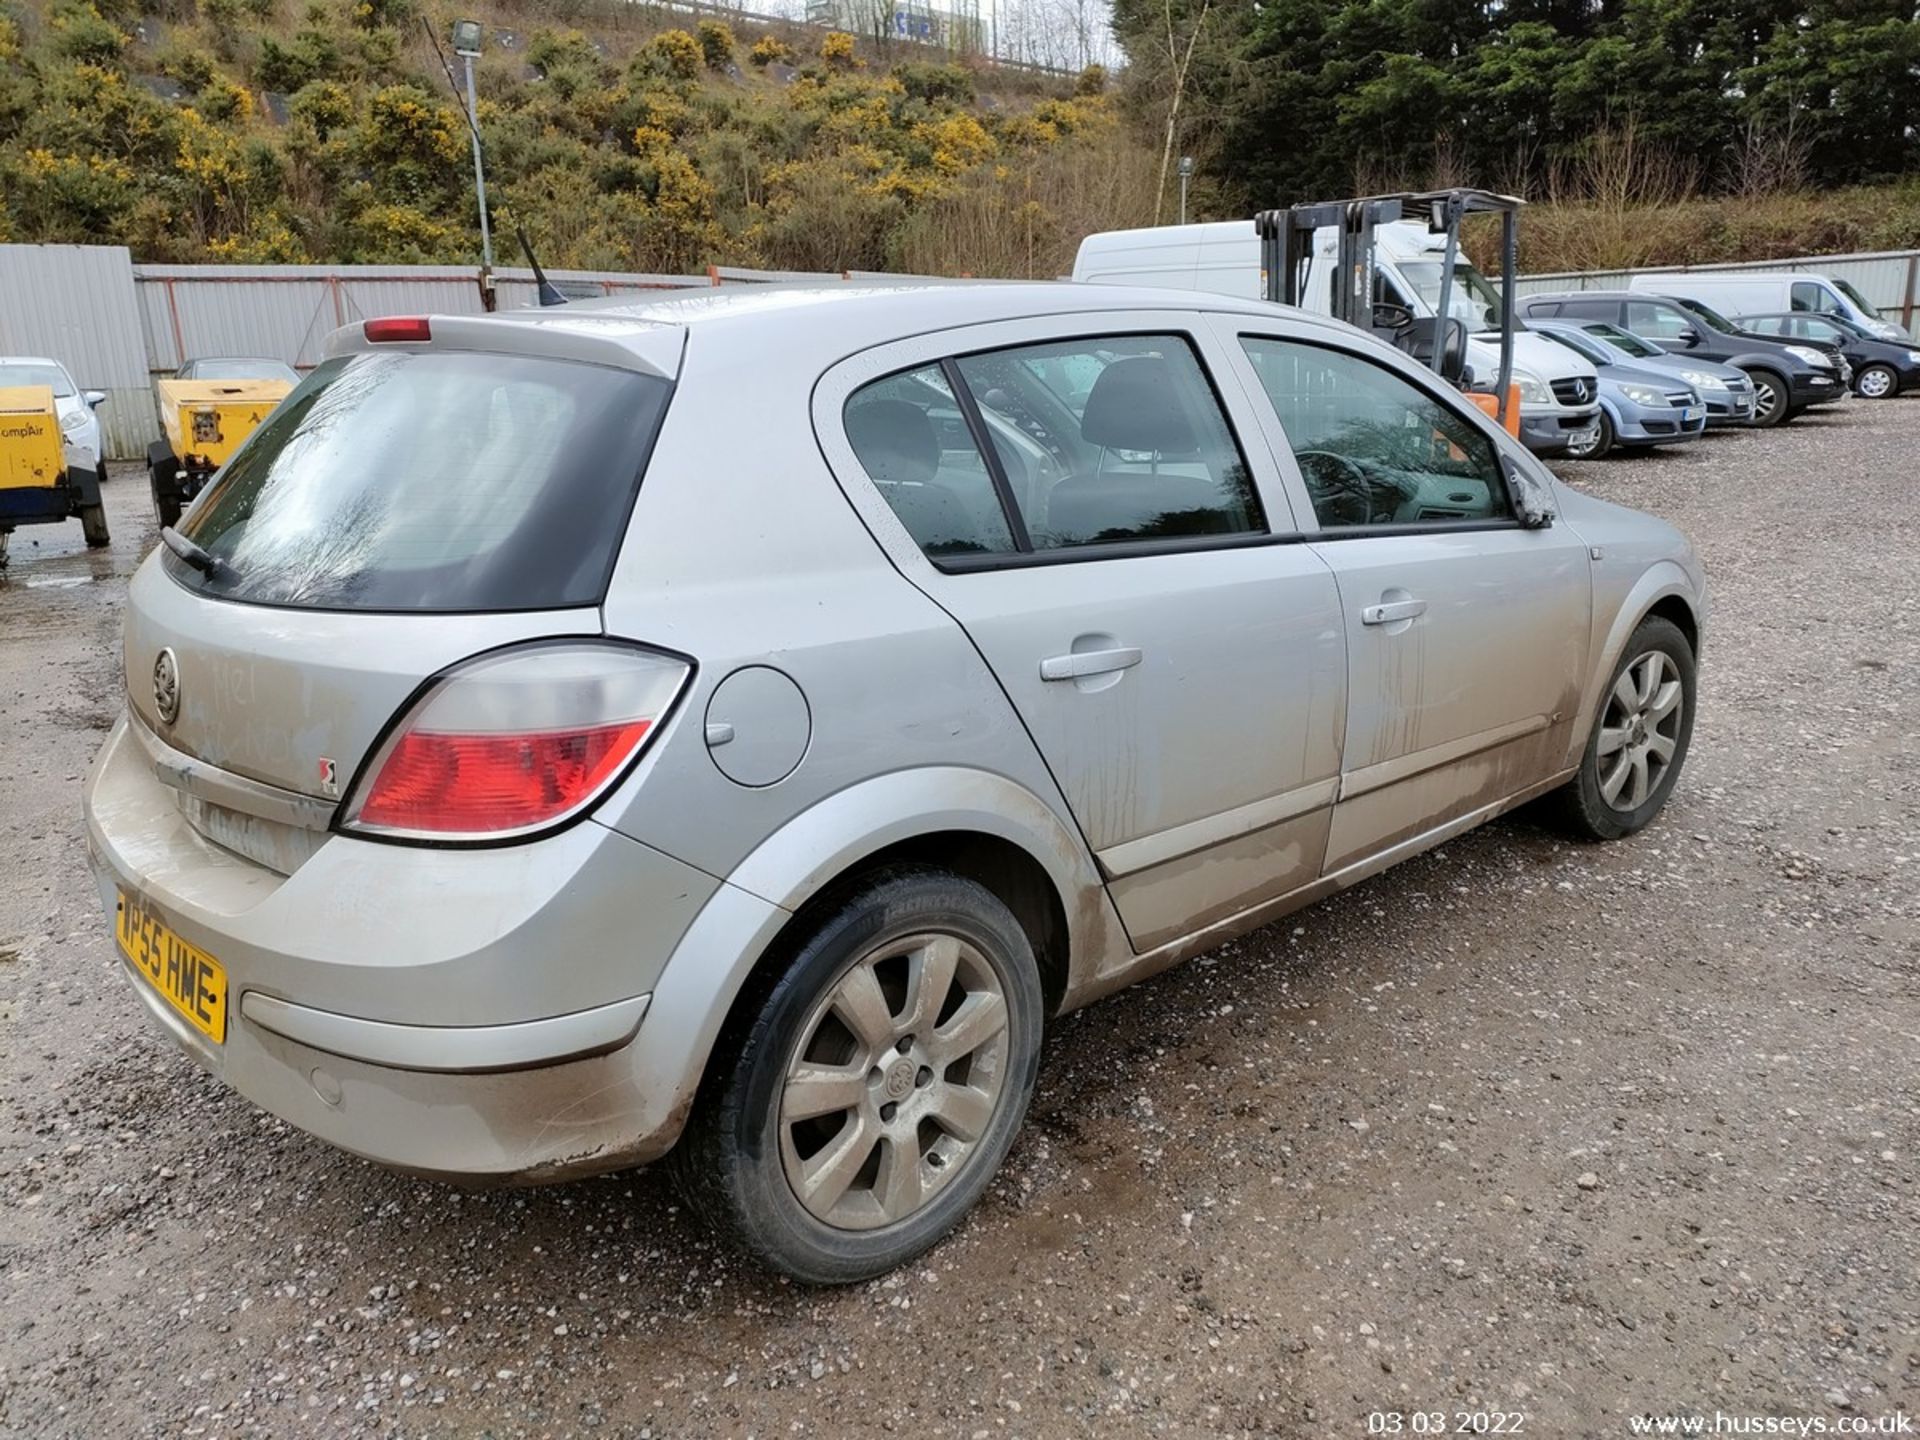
x: 515, y: 743
x: 397, y: 327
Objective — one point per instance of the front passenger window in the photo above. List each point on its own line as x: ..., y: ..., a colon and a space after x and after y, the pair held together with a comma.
x: 1374, y: 448
x: 1657, y: 322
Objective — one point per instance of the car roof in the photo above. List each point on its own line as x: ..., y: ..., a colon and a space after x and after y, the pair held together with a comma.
x: 817, y: 323
x: 1594, y: 295
x: 899, y: 305
x: 29, y: 360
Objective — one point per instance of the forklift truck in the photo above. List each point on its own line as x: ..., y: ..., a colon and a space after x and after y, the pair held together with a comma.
x: 1287, y: 239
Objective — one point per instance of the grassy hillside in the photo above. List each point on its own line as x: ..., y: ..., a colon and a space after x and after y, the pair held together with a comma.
x: 624, y: 137
x: 269, y: 130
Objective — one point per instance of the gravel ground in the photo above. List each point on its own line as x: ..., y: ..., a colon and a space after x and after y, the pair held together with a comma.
x: 1573, y: 1133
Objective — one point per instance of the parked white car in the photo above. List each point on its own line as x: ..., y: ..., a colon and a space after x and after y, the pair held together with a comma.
x: 79, y: 426
x: 1746, y: 292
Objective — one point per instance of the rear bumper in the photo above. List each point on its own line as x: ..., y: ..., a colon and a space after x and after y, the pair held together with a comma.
x: 476, y: 1015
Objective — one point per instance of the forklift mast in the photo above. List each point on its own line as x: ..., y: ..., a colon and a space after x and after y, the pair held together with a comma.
x: 1286, y: 262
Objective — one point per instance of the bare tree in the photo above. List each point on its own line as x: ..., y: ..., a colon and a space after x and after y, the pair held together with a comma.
x: 1179, y: 62
x: 1769, y: 160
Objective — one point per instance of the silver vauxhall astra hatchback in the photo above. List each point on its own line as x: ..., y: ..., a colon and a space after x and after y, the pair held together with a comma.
x: 733, y: 724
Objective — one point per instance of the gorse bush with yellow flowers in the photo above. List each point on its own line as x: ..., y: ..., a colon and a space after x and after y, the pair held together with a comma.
x: 326, y: 131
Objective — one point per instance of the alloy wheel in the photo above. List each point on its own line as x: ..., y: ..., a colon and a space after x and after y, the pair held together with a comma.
x: 1766, y: 399
x: 1640, y: 731
x: 900, y: 1069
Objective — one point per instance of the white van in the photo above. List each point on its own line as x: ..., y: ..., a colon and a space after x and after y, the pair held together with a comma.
x: 1558, y: 389
x: 1748, y: 292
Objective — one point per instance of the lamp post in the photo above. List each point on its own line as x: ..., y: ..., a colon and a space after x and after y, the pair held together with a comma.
x: 466, y: 44
x: 1186, y: 174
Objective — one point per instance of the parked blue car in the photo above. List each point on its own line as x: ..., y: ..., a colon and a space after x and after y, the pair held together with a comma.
x: 1639, y: 406
x: 1726, y: 389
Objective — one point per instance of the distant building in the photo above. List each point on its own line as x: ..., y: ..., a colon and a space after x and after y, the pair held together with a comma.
x: 949, y: 29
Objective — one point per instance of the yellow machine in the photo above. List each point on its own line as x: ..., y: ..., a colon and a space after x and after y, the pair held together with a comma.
x: 35, y: 485
x: 204, y: 422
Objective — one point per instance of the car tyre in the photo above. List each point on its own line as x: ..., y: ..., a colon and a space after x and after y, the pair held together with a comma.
x: 166, y: 505
x: 1604, y: 438
x: 1876, y: 382
x: 1640, y: 736
x: 869, y: 1019
x: 93, y: 525
x: 1771, y: 399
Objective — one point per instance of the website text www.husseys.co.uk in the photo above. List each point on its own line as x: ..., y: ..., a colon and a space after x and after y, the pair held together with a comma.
x: 1719, y: 1422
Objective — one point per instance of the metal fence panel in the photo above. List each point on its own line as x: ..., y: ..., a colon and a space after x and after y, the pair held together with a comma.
x: 1888, y: 279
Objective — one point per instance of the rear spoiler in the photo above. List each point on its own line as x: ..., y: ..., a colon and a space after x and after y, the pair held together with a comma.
x: 594, y: 337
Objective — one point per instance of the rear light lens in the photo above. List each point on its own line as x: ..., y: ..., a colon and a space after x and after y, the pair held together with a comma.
x: 515, y: 743
x: 397, y: 327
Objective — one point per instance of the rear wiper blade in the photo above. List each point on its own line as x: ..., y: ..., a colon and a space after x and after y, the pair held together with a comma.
x: 204, y: 561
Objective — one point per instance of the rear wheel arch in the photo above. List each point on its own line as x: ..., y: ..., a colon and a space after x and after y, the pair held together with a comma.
x: 1012, y: 874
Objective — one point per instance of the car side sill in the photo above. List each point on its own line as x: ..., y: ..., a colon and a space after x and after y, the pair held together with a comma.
x: 1405, y: 767
x: 456, y: 1049
x: 1170, y: 844
x: 1131, y: 968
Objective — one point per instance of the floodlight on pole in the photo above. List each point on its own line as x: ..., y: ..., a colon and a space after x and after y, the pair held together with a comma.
x: 466, y: 44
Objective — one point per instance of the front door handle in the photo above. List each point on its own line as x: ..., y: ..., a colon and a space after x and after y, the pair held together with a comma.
x: 1089, y: 662
x: 1391, y: 611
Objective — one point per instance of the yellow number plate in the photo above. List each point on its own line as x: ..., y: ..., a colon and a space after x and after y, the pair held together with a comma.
x: 192, y: 981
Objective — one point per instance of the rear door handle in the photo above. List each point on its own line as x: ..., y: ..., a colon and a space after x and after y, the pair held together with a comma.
x: 1089, y: 662
x: 1391, y: 611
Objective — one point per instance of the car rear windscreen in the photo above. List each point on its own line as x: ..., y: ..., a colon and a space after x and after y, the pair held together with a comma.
x: 433, y: 480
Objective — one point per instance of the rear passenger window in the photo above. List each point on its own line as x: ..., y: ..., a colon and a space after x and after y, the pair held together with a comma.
x: 915, y: 446
x: 1095, y: 442
x: 1373, y: 448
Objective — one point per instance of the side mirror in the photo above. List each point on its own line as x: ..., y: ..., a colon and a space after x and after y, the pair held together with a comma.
x: 95, y: 399
x: 1688, y: 338
x: 1532, y: 497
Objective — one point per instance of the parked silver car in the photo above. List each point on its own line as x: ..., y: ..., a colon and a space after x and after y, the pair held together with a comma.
x: 1639, y: 407
x: 735, y: 723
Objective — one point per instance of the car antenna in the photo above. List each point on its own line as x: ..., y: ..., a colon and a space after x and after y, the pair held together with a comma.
x: 549, y: 292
